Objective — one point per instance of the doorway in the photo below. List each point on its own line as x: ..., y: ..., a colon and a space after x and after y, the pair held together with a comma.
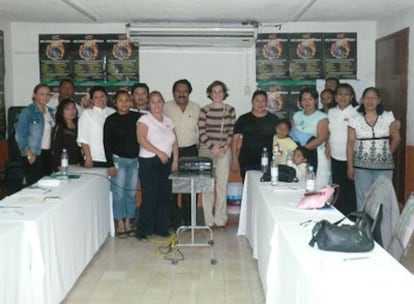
x: 391, y: 78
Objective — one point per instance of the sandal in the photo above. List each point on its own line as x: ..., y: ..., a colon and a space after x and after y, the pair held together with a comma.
x: 130, y: 233
x: 121, y: 235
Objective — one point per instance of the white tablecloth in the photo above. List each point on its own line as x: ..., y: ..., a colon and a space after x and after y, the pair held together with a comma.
x: 15, y: 263
x: 293, y: 272
x: 60, y: 236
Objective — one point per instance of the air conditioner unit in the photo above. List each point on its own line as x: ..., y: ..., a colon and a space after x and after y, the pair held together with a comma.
x: 193, y: 34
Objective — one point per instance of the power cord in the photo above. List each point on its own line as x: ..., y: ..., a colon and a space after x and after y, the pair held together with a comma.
x: 169, y: 249
x: 109, y: 179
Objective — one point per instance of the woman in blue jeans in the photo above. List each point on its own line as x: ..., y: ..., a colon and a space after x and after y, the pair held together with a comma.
x: 121, y: 152
x: 373, y: 136
x: 33, y: 135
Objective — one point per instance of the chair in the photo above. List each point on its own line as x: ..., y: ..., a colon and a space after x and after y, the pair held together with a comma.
x: 382, y: 206
x: 376, y: 214
x: 401, y: 241
x: 13, y: 168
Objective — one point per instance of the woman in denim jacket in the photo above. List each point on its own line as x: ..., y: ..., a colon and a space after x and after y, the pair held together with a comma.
x: 33, y: 135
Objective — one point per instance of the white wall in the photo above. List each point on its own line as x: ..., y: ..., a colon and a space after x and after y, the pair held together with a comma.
x: 388, y: 26
x: 161, y: 67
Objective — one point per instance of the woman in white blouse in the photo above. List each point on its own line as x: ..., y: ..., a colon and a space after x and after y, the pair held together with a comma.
x: 158, y: 156
x: 373, y: 136
x: 338, y: 118
x: 90, y: 128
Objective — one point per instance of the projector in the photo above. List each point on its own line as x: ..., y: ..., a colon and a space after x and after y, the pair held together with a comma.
x: 195, y: 164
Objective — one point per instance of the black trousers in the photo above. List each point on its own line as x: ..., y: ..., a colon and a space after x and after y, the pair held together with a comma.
x: 41, y: 167
x: 154, y: 213
x: 346, y: 202
x: 182, y: 215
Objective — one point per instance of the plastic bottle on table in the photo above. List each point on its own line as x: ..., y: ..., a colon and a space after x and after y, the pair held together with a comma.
x: 274, y: 172
x: 310, y: 179
x: 64, y: 162
x: 264, y: 161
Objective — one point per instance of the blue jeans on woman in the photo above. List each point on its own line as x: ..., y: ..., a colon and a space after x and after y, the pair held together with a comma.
x: 124, y: 186
x: 364, y: 178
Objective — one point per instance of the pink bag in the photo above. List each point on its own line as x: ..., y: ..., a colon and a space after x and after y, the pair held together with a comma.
x: 320, y: 198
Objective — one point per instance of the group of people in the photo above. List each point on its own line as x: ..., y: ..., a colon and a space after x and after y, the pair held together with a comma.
x: 141, y: 140
x: 348, y: 143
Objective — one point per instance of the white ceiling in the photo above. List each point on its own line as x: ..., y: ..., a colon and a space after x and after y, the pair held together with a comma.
x: 262, y: 11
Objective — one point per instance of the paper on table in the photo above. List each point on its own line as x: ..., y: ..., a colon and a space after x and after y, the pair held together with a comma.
x: 286, y: 186
x: 23, y: 200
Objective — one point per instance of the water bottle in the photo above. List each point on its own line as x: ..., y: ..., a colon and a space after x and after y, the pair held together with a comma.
x: 64, y: 162
x: 274, y: 172
x: 264, y: 161
x: 310, y: 179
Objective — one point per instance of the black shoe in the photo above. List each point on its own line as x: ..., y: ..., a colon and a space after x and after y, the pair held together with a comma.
x: 142, y: 237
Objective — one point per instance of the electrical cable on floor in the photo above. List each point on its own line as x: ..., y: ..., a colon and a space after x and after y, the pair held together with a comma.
x: 169, y: 249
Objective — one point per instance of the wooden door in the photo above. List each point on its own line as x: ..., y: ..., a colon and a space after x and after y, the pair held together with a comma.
x: 391, y: 68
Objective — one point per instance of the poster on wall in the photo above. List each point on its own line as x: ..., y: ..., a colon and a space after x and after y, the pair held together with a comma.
x: 340, y: 55
x: 121, y: 60
x: 272, y: 56
x: 277, y: 98
x: 2, y: 101
x: 88, y: 58
x: 283, y: 96
x: 55, y: 58
x: 109, y: 60
x: 2, y: 68
x: 306, y: 55
x: 2, y: 112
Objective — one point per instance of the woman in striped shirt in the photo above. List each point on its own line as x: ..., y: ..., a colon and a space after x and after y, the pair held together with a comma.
x: 216, y: 122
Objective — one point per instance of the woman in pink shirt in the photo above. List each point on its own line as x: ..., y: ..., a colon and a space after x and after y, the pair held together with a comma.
x: 158, y: 156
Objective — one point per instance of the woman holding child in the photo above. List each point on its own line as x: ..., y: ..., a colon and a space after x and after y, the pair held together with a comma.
x: 314, y: 123
x: 252, y: 132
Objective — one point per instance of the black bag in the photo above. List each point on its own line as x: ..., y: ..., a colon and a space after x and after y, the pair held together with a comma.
x: 287, y: 174
x: 345, y: 238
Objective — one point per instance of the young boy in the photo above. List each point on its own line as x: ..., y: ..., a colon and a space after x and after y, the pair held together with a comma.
x: 283, y: 145
x: 300, y: 160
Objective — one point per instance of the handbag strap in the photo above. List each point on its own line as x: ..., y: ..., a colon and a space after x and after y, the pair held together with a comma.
x: 335, y: 198
x: 357, y: 215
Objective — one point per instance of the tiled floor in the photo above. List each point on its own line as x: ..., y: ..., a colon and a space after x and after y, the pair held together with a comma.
x: 129, y: 271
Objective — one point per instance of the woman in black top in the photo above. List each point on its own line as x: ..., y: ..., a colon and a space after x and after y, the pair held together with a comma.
x: 64, y: 134
x: 121, y: 152
x: 252, y: 132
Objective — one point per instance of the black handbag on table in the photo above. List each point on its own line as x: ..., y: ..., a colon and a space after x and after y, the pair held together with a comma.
x: 286, y: 174
x: 345, y: 238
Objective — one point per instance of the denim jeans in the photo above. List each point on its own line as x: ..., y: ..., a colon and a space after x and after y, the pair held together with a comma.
x: 124, y: 186
x: 364, y: 178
